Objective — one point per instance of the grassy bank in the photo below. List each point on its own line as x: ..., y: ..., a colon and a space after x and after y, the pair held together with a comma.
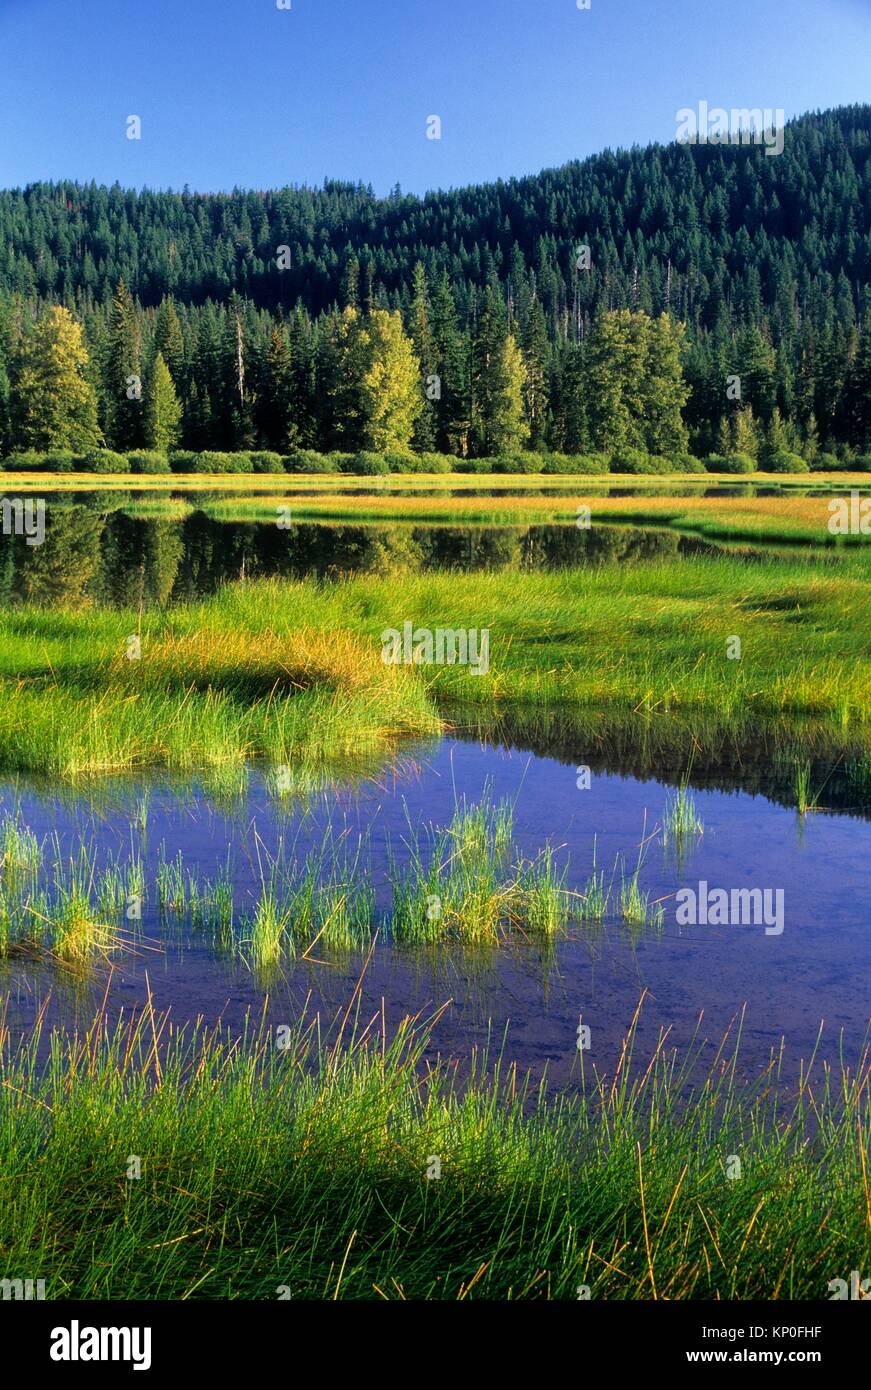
x: 76, y: 699
x: 292, y: 670
x: 259, y: 483
x: 359, y: 1169
x: 781, y: 520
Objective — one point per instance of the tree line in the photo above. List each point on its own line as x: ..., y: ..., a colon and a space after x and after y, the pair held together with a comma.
x: 722, y: 303
x: 233, y: 378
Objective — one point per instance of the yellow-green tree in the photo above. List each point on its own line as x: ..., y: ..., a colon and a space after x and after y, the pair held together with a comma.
x: 634, y: 387
x: 512, y: 423
x: 53, y: 405
x: 391, y: 384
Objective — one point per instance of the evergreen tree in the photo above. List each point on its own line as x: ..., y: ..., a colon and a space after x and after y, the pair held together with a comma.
x: 451, y: 389
x: 277, y: 425
x: 664, y: 390
x: 168, y: 341
x: 424, y: 342
x: 162, y: 408
x: 498, y: 382
x: 536, y: 362
x: 615, y: 388
x: 122, y: 376
x: 857, y: 391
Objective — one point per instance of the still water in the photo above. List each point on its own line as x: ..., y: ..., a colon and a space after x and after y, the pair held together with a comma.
x: 816, y: 970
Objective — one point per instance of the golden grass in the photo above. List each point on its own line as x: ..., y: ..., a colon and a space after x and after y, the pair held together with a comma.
x: 304, y: 659
x: 786, y: 517
x: 404, y: 482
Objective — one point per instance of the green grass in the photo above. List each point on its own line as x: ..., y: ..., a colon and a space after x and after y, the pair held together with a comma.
x: 63, y: 907
x: 463, y: 883
x: 460, y: 883
x: 681, y: 821
x: 291, y: 671
x: 300, y: 1171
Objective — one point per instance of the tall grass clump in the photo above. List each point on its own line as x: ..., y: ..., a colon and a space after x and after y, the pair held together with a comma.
x: 459, y: 883
x: 681, y: 821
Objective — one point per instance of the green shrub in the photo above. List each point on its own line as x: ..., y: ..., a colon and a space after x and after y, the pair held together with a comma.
x: 687, y: 463
x: 63, y: 462
x: 213, y: 461
x: 31, y: 462
x: 730, y: 463
x: 105, y: 461
x: 631, y: 461
x: 661, y: 466
x: 475, y: 465
x: 782, y: 461
x: 862, y: 464
x: 183, y: 461
x: 368, y: 464
x: 587, y: 464
x: 520, y: 461
x: 149, y: 461
x: 23, y: 463
x: 401, y: 463
x: 309, y: 461
x: 827, y: 463
x: 436, y: 463
x: 265, y: 461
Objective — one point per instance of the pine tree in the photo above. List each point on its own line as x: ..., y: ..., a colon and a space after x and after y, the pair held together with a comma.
x: 570, y: 432
x: 122, y: 376
x: 168, y: 341
x: 275, y: 403
x: 664, y: 390
x: 536, y: 356
x: 489, y: 381
x: 342, y: 351
x: 52, y: 404
x: 425, y: 346
x: 777, y: 437
x: 857, y: 390
x: 614, y: 380
x: 452, y: 398
x: 162, y: 408
x: 511, y: 430
x: 745, y: 435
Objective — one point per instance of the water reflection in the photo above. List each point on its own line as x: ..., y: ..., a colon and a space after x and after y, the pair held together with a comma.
x: 111, y: 557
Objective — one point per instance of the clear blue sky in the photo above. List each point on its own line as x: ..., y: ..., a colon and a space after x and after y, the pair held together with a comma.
x: 240, y: 93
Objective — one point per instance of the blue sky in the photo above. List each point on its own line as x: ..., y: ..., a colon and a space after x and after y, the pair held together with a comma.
x: 240, y: 93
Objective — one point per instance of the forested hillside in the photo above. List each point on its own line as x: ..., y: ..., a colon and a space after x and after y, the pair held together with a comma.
x: 766, y: 261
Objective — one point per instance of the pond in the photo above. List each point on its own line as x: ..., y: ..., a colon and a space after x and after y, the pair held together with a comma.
x: 811, y: 966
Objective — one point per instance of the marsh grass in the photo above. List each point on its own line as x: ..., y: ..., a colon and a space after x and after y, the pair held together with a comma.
x: 681, y: 822
x: 210, y: 903
x: 171, y: 883
x: 459, y: 882
x: 805, y: 799
x: 291, y: 672
x: 636, y: 909
x: 594, y: 902
x: 305, y: 1167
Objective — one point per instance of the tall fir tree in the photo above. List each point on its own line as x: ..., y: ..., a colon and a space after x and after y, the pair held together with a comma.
x: 122, y: 376
x: 162, y: 408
